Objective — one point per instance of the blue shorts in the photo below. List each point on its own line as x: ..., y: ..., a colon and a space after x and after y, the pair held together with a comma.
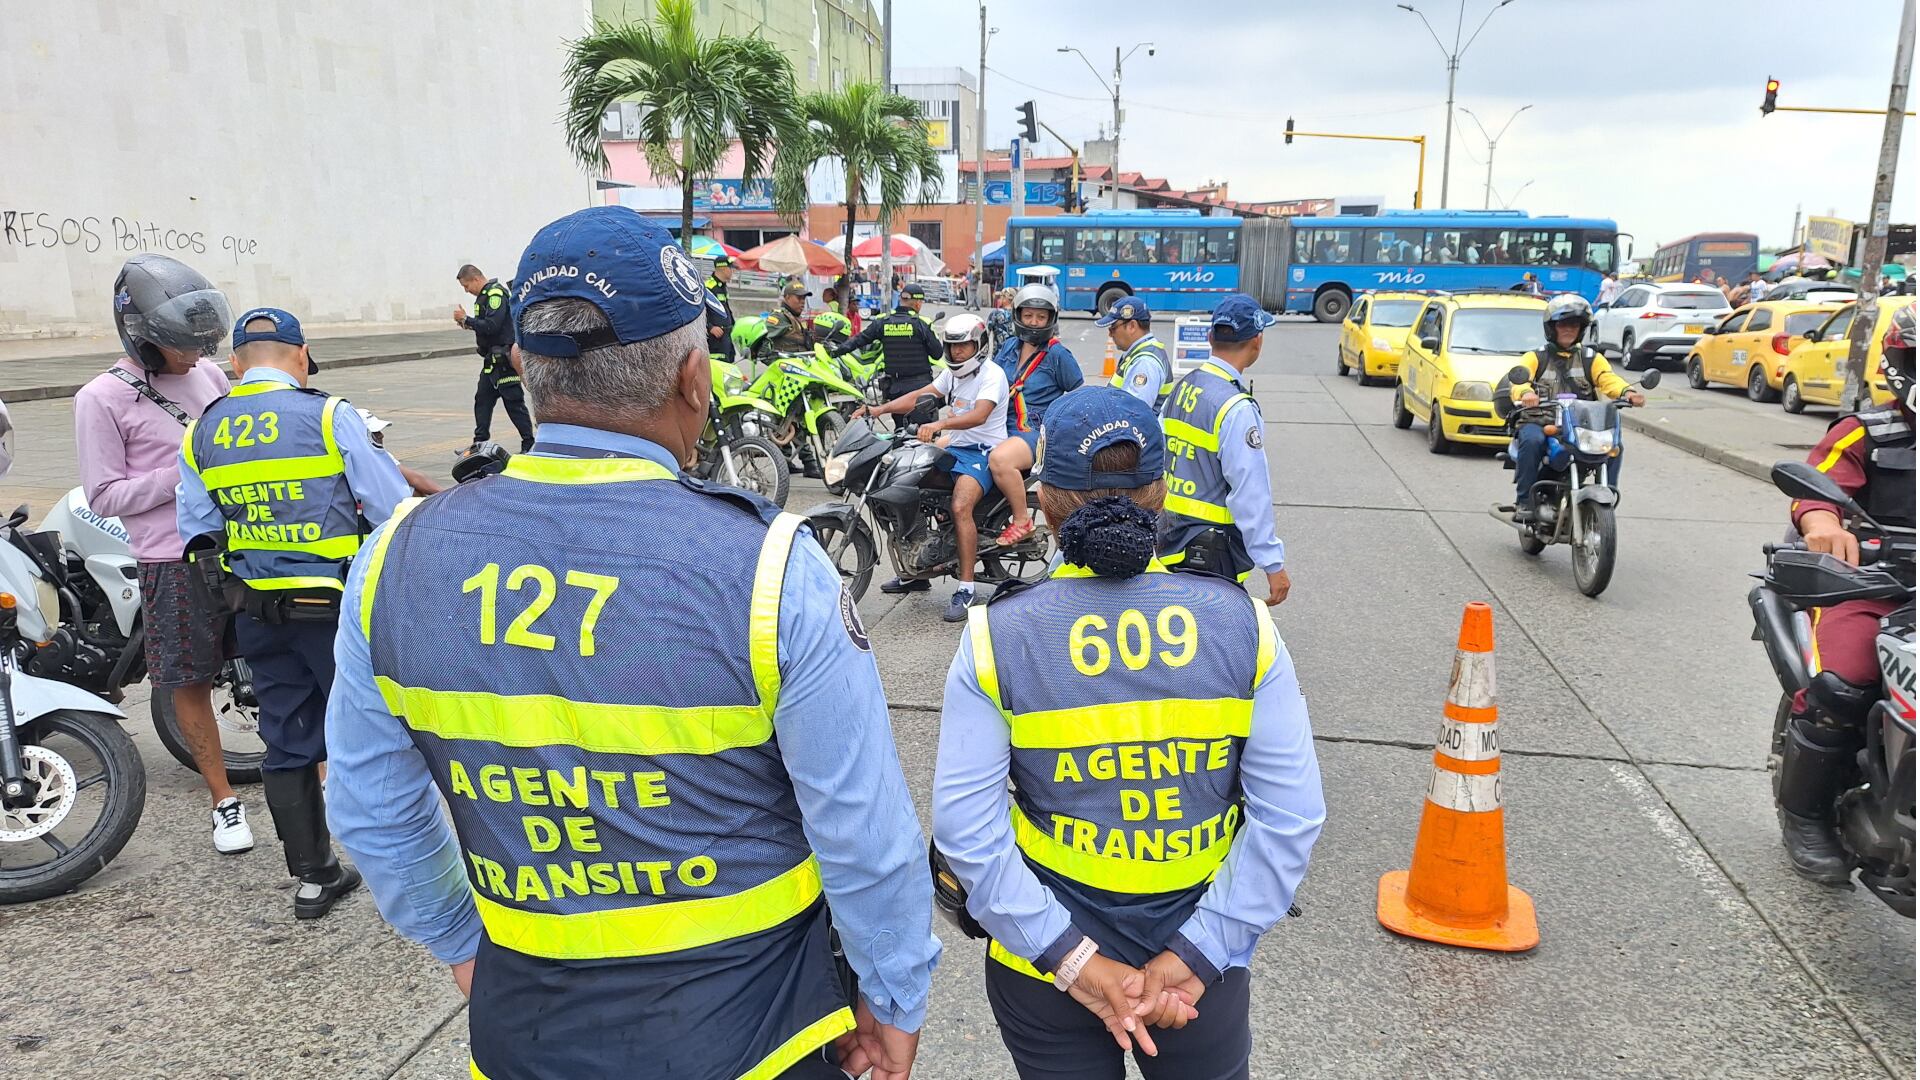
x: 970, y: 462
x: 1031, y: 438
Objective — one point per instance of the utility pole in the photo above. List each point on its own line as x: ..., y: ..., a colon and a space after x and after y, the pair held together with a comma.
x: 1420, y: 175
x: 1113, y: 90
x: 884, y: 286
x: 980, y: 163
x: 1493, y: 142
x: 1453, y: 71
x: 1866, y: 317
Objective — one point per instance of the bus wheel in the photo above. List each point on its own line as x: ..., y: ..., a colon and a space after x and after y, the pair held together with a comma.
x: 1331, y: 305
x: 1108, y: 297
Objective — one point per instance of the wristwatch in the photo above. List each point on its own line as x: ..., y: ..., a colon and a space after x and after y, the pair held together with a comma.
x: 1069, y: 969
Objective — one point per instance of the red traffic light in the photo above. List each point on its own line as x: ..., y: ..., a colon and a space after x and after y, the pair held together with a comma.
x: 1773, y: 91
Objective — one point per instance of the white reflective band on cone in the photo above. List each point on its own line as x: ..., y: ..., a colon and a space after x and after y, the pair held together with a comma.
x: 1469, y: 794
x: 1472, y: 684
x: 1466, y: 741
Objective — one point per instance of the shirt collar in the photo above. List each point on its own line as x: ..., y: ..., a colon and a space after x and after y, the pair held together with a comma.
x: 611, y: 441
x: 267, y: 374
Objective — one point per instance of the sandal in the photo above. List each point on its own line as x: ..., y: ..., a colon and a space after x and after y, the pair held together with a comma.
x: 1015, y: 533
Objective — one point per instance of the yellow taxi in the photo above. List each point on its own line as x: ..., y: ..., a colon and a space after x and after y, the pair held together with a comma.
x: 1374, y: 334
x: 1749, y: 347
x: 1460, y: 347
x: 1816, y: 371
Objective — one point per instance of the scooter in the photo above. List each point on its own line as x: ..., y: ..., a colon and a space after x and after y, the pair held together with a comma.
x: 1876, y: 815
x: 1573, y: 503
x: 900, y: 488
x: 72, y: 785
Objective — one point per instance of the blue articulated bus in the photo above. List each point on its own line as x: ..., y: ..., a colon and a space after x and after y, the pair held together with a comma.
x: 1176, y: 260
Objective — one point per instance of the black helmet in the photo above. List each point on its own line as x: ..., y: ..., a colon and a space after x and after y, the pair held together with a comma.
x: 1567, y: 307
x: 162, y: 302
x: 949, y: 896
x: 1036, y: 296
x: 1896, y: 357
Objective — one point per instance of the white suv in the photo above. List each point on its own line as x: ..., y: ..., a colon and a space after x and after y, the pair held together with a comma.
x: 1658, y: 324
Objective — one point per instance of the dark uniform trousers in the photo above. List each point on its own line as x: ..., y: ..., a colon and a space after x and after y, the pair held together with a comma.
x: 499, y: 368
x: 1053, y: 1037
x: 292, y: 667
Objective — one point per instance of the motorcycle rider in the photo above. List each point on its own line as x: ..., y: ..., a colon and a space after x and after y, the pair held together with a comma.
x: 787, y: 324
x: 1039, y: 370
x: 978, y: 422
x: 908, y: 341
x: 1870, y: 455
x: 1564, y: 366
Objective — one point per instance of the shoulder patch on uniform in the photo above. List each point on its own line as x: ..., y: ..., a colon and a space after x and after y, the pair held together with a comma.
x: 1139, y: 380
x: 850, y: 620
x: 1253, y: 436
x: 493, y: 301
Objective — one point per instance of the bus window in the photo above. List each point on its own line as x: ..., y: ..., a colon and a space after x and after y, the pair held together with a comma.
x: 1601, y: 254
x: 1022, y: 246
x: 1393, y: 245
x: 1138, y: 245
x: 1050, y: 245
x: 1222, y: 245
x: 1446, y: 246
x: 1333, y: 245
x: 1303, y: 245
x: 1180, y: 246
x: 1094, y: 245
x: 1542, y: 247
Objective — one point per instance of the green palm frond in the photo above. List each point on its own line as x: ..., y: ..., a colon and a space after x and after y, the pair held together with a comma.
x: 878, y: 137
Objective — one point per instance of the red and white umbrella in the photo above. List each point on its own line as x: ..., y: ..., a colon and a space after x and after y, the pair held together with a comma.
x: 870, y: 248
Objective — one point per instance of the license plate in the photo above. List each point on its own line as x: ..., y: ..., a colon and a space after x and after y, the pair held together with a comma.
x: 1695, y: 328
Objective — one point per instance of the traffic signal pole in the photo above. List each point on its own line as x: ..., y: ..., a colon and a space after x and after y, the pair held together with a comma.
x: 1866, y: 318
x: 1420, y: 177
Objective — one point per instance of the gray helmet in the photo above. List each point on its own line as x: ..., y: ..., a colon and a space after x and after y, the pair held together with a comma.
x: 162, y: 302
x: 1567, y: 307
x: 1036, y: 296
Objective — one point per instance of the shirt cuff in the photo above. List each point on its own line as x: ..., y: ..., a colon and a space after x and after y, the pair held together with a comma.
x: 460, y: 944
x: 1191, y: 955
x: 1052, y: 956
x: 907, y: 1020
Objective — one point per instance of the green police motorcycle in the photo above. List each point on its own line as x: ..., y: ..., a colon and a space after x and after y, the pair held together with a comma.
x: 735, y: 449
x: 806, y: 391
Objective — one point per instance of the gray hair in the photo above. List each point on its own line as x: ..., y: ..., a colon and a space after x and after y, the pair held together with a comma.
x: 612, y: 381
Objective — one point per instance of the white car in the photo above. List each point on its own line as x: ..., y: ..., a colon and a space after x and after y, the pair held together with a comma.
x: 1658, y: 324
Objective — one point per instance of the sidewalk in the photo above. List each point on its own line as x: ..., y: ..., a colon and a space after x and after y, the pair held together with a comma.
x: 1725, y: 428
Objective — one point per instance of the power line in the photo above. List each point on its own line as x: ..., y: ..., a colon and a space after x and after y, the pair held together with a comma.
x: 1247, y: 117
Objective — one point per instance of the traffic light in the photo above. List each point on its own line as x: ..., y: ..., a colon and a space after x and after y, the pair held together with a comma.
x: 1029, y: 127
x: 1289, y: 131
x: 1773, y: 91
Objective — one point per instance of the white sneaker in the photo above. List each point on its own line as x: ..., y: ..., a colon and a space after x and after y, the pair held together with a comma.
x: 230, y: 833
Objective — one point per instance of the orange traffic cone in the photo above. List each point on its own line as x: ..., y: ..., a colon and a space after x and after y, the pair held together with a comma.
x: 1457, y: 891
x: 1107, y: 365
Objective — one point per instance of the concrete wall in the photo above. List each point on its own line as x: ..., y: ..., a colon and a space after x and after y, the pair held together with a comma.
x: 340, y: 158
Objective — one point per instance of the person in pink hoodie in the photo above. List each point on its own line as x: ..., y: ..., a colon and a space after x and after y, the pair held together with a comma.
x: 129, y: 423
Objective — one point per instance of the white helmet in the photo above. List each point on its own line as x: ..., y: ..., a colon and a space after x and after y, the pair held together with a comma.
x: 375, y: 425
x: 1040, y: 296
x: 961, y: 329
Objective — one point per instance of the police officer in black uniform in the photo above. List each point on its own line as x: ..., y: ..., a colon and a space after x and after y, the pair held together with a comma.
x: 907, y: 339
x: 492, y: 326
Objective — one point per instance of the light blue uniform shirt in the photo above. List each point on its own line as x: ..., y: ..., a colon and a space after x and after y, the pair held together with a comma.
x: 372, y: 476
x: 1249, y: 492
x: 834, y: 736
x: 1147, y: 372
x: 1279, y: 778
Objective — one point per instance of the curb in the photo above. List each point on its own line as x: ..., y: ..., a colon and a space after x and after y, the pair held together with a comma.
x: 1700, y: 448
x: 48, y: 393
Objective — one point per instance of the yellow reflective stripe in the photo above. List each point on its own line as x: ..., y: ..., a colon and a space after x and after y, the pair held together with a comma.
x: 1208, y: 365
x: 763, y: 619
x: 1014, y: 960
x: 326, y: 430
x: 1175, y: 559
x: 1133, y: 722
x: 567, y: 470
x: 269, y: 470
x: 1840, y: 447
x: 1070, y: 570
x: 262, y: 387
x: 186, y: 449
x: 473, y: 1071
x: 1118, y: 875
x: 985, y: 671
x: 533, y: 720
x: 1269, y: 639
x: 804, y: 1042
x: 376, y: 559
x: 1195, y: 508
x: 508, y: 381
x: 1180, y: 429
x: 1220, y: 417
x: 652, y: 929
x: 275, y: 583
x: 331, y: 547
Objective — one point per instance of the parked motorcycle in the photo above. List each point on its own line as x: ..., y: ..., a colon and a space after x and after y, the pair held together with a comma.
x: 100, y: 645
x: 1572, y: 502
x: 1876, y: 815
x: 901, y: 489
x: 734, y: 450
x: 72, y: 785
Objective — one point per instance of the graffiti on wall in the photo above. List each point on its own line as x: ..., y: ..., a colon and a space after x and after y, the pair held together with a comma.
x: 34, y: 230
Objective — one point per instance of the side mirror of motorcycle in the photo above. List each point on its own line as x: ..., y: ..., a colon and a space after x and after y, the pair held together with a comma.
x: 18, y: 517
x: 1802, y: 481
x: 1651, y: 379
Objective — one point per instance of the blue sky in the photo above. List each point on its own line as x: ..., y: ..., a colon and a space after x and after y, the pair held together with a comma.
x: 1644, y: 111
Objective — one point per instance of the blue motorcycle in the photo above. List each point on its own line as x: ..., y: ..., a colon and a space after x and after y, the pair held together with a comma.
x: 1574, y: 500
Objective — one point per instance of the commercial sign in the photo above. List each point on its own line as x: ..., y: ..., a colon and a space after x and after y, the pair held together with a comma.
x: 733, y: 195
x: 1039, y: 192
x: 940, y: 134
x: 1830, y: 238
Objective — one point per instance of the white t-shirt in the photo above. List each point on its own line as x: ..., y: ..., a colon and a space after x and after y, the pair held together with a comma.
x: 989, y: 383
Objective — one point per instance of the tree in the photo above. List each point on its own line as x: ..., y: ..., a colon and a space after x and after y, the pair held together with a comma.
x: 880, y: 139
x: 696, y: 96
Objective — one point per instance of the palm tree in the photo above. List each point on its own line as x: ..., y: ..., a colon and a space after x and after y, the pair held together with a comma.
x: 879, y: 137
x: 697, y: 95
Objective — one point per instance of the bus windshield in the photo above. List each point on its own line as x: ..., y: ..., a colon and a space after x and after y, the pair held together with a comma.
x: 1496, y: 331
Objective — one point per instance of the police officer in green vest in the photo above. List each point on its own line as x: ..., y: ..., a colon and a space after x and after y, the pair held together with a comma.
x: 284, y: 480
x: 717, y: 281
x: 720, y: 308
x: 493, y: 340
x: 1219, y: 512
x: 1164, y: 792
x: 654, y: 716
x: 1143, y: 370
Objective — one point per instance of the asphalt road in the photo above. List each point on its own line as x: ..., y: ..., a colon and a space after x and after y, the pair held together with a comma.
x: 1674, y: 941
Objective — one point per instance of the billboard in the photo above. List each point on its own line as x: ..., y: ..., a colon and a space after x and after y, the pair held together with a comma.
x: 1039, y: 192
x: 733, y: 194
x: 1830, y: 238
x: 940, y: 134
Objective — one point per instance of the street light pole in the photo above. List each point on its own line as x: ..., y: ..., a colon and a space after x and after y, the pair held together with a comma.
x: 1453, y: 56
x: 1493, y: 141
x: 1112, y: 90
x: 980, y: 161
x: 1879, y: 211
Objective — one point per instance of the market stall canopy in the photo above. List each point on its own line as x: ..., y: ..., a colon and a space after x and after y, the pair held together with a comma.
x: 792, y: 255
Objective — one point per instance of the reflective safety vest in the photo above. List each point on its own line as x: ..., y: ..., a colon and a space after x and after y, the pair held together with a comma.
x: 1125, y: 796
x: 1197, y: 488
x: 267, y: 456
x: 1146, y: 346
x: 596, y: 707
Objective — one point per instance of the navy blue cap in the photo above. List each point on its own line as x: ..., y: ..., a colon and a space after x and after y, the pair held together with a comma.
x: 1088, y: 420
x: 623, y: 264
x: 1239, y: 318
x: 286, y: 330
x: 1131, y: 307
x: 913, y: 290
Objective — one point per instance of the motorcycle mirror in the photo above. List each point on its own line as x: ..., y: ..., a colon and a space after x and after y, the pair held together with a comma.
x: 1651, y: 379
x: 18, y: 517
x: 487, y: 458
x: 1802, y: 481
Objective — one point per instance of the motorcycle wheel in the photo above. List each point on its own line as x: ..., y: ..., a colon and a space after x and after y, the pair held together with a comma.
x: 830, y: 425
x: 1593, y: 553
x: 855, y: 559
x: 237, y: 715
x: 759, y: 466
x: 88, y: 752
x: 1777, y: 749
x: 1026, y: 561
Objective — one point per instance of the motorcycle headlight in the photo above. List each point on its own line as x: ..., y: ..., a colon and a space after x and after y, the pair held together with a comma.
x: 1472, y: 391
x: 1380, y: 344
x: 836, y: 469
x: 1589, y: 441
